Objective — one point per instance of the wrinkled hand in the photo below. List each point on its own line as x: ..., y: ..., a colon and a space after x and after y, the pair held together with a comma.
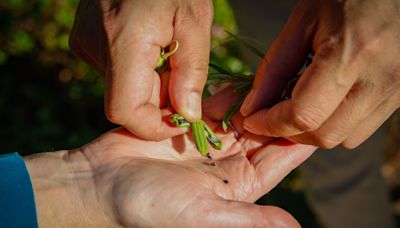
x: 122, y: 40
x: 352, y: 85
x: 168, y: 184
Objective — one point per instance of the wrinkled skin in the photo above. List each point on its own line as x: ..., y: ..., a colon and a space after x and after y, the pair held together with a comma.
x: 122, y: 40
x: 168, y: 184
x: 352, y: 85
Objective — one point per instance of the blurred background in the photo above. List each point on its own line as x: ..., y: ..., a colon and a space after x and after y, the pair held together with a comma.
x: 51, y: 100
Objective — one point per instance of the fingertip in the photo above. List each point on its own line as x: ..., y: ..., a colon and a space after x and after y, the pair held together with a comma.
x: 248, y: 126
x: 241, y: 214
x: 272, y: 216
x: 189, y: 106
x: 245, y: 110
x: 257, y: 124
x: 282, y: 218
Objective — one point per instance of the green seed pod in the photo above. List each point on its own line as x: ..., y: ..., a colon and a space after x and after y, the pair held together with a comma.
x: 212, y: 138
x: 200, y: 137
x: 179, y: 121
x: 202, y: 133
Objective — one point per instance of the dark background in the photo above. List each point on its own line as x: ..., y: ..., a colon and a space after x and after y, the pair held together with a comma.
x: 48, y: 98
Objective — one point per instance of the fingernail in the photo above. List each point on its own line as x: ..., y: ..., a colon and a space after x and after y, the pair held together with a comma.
x: 245, y: 109
x: 192, y: 107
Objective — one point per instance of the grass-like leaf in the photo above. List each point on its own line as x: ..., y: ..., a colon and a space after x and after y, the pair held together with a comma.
x: 249, y: 46
x: 243, y: 88
x: 231, y: 111
x: 219, y: 69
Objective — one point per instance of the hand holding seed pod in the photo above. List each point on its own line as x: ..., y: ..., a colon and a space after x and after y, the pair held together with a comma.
x: 242, y: 84
x: 127, y: 54
x: 202, y: 133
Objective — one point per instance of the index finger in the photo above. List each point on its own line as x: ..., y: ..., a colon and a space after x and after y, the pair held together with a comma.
x: 318, y: 93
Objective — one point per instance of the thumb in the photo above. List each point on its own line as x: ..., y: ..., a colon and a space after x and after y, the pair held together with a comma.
x: 189, y: 66
x: 241, y: 214
x: 282, y: 62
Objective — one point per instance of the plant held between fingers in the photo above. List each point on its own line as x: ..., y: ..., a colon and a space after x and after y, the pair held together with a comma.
x: 201, y: 132
x: 242, y: 84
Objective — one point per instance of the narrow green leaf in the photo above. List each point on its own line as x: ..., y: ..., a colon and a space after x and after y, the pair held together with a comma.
x: 235, y: 78
x: 219, y: 69
x: 231, y: 111
x: 243, y: 88
x: 224, y: 125
x: 241, y: 77
x: 218, y: 77
x: 206, y: 93
x: 212, y: 138
x: 249, y: 46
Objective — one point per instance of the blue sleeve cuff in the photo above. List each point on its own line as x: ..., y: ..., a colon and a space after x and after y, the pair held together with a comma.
x: 17, y: 203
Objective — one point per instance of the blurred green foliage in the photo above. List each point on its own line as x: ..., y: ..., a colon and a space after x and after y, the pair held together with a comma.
x: 48, y: 99
x: 51, y: 100
x: 224, y: 50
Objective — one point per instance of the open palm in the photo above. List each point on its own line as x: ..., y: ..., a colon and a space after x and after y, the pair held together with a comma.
x: 168, y: 184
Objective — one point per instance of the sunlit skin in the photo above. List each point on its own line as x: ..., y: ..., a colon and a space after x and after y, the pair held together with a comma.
x: 129, y: 35
x: 348, y: 91
x: 121, y: 180
x: 352, y: 85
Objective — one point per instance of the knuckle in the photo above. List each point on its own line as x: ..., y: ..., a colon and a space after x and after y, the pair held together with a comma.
x: 158, y: 136
x: 305, y: 120
x: 198, y: 13
x: 110, y: 5
x: 199, y: 65
x: 332, y: 41
x: 267, y: 128
x: 328, y: 46
x: 350, y: 144
x: 395, y: 100
x: 151, y: 134
x: 191, y: 60
x: 327, y: 140
x: 393, y: 80
x: 196, y: 68
x: 203, y: 11
x: 114, y: 114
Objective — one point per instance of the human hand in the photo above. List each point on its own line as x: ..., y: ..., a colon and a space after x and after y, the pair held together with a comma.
x: 169, y: 184
x: 352, y: 85
x: 127, y: 181
x: 122, y: 40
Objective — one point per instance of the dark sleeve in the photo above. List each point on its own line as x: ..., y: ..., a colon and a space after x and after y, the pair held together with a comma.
x: 17, y: 203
